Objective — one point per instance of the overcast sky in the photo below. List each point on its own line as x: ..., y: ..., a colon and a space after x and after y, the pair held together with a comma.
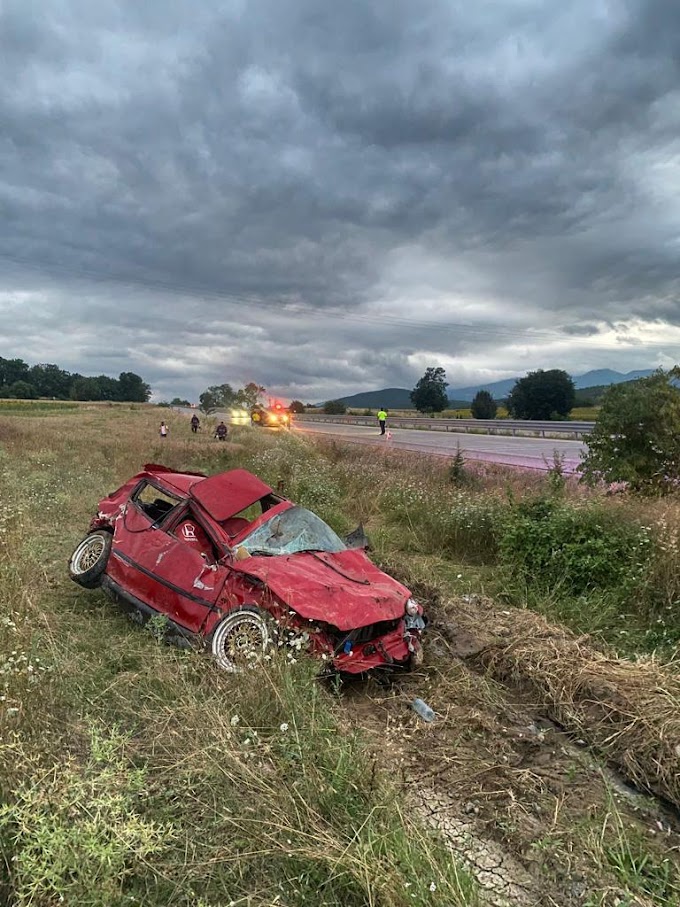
x: 326, y: 197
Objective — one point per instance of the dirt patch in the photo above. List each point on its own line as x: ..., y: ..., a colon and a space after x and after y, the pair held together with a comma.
x: 531, y: 810
x: 626, y: 710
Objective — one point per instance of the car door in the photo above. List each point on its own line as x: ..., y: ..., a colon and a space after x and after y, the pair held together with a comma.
x: 187, y: 574
x: 136, y: 538
x: 165, y: 572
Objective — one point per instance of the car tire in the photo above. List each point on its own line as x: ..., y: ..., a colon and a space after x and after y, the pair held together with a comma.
x: 242, y: 638
x: 88, y: 561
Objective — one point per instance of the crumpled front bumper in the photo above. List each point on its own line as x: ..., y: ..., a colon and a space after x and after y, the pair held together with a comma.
x: 390, y: 650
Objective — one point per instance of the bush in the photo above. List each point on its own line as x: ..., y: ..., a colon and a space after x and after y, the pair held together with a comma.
x: 636, y: 439
x: 550, y: 545
x: 484, y: 406
x: 335, y: 408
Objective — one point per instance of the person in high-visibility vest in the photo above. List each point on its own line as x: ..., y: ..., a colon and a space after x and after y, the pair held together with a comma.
x: 382, y: 418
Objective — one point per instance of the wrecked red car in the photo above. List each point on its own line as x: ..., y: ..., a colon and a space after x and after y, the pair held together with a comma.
x: 239, y: 568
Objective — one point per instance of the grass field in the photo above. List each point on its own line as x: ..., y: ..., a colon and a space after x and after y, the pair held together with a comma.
x: 35, y: 407
x: 135, y: 773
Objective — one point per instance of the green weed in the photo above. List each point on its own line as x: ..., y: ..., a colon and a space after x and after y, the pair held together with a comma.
x: 558, y: 547
x: 74, y: 833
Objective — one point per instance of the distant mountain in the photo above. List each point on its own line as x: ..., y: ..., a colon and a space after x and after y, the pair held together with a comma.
x: 389, y: 397
x: 459, y: 397
x: 497, y: 389
x: 607, y: 376
x: 600, y: 376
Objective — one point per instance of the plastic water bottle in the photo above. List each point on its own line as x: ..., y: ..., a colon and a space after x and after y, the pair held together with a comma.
x: 422, y: 708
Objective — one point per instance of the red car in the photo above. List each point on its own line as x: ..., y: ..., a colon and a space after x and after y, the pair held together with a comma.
x: 234, y: 565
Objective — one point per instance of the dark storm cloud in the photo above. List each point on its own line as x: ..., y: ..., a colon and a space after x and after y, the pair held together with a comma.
x: 312, y: 194
x: 581, y: 330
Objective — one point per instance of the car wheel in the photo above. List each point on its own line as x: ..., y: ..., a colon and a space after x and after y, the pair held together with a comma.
x: 241, y: 639
x: 89, y: 560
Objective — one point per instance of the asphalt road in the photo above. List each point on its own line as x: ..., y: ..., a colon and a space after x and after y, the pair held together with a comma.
x: 531, y: 453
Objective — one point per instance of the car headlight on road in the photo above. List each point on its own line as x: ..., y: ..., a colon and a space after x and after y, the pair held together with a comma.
x: 412, y: 607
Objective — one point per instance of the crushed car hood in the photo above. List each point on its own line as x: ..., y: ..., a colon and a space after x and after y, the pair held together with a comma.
x: 344, y: 589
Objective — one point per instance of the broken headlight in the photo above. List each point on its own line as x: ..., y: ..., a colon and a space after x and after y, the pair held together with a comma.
x: 412, y: 607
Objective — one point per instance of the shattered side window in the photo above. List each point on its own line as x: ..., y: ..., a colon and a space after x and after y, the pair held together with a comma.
x: 292, y: 531
x: 155, y: 502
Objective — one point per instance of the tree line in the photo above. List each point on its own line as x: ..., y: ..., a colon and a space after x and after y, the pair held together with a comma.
x: 219, y: 397
x: 539, y: 395
x: 21, y: 381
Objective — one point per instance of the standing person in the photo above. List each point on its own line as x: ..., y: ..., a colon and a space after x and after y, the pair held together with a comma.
x: 195, y: 422
x: 382, y: 418
x: 163, y: 431
x: 221, y: 432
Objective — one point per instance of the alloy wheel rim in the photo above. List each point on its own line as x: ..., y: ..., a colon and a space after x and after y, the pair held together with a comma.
x: 243, y: 642
x: 90, y: 554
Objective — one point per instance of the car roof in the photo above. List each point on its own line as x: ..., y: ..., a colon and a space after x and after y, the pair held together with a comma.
x: 179, y: 481
x: 228, y: 493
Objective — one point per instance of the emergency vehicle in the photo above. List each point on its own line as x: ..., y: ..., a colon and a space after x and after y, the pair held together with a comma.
x: 273, y: 416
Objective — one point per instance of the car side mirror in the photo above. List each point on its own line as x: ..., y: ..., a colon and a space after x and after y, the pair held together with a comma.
x: 358, y: 539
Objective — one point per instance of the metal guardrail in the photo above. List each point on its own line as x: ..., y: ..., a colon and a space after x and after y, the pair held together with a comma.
x: 483, y: 426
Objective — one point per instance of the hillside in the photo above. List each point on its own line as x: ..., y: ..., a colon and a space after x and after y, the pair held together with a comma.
x: 500, y: 389
x: 390, y: 398
x: 461, y: 397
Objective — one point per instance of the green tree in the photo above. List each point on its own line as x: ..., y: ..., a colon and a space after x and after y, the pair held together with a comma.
x: 177, y: 401
x: 109, y: 389
x: 296, y: 407
x: 542, y: 395
x: 207, y: 403
x: 217, y: 397
x: 12, y: 370
x: 335, y: 408
x: 50, y: 381
x: 429, y: 394
x: 484, y: 406
x: 249, y: 396
x: 636, y: 438
x: 132, y: 388
x: 22, y: 390
x: 85, y: 388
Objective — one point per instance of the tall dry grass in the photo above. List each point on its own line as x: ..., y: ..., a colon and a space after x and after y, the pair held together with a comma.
x: 132, y: 772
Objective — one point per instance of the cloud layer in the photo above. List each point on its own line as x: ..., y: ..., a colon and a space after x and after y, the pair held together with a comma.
x: 328, y: 197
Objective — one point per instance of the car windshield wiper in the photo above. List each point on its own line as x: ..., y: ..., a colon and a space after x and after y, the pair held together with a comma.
x: 261, y: 552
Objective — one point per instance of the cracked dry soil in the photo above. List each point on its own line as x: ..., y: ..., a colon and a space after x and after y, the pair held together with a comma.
x: 526, y: 808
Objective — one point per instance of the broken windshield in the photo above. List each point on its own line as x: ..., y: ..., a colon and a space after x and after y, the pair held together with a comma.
x: 294, y: 530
